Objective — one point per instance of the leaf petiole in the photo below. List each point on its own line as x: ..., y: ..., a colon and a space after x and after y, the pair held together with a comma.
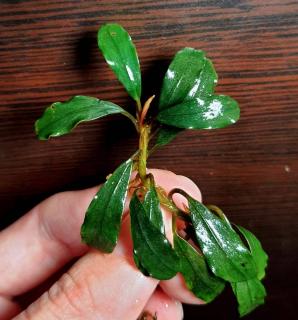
x: 132, y: 118
x: 139, y: 105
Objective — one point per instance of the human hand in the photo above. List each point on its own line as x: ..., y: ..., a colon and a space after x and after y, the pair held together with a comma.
x: 97, y: 286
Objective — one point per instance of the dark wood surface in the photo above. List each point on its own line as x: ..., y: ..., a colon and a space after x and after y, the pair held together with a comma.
x: 48, y: 52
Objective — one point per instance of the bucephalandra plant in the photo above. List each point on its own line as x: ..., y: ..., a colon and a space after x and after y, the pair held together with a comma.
x: 223, y: 253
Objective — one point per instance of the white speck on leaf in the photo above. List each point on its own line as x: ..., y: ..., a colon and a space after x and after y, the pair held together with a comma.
x: 240, y: 248
x: 201, y: 102
x: 170, y: 74
x: 111, y: 63
x: 214, y: 110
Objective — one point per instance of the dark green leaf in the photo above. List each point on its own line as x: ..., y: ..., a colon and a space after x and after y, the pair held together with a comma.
x: 226, y: 255
x: 152, y: 209
x: 103, y: 217
x: 202, y: 113
x: 166, y: 134
x: 153, y: 253
x: 256, y: 250
x: 120, y: 53
x: 61, y: 117
x: 190, y: 75
x: 250, y: 294
x: 194, y: 269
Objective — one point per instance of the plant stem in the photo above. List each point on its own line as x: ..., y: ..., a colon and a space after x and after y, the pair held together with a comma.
x: 144, y: 131
x: 143, y: 148
x: 139, y: 105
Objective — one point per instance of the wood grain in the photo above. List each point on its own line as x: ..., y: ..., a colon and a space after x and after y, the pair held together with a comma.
x: 48, y: 53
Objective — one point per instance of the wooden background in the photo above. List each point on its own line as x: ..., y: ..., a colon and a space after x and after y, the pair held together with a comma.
x: 48, y: 52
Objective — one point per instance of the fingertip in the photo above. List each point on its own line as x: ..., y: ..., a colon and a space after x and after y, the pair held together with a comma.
x: 163, y: 306
x: 169, y: 180
x: 176, y: 288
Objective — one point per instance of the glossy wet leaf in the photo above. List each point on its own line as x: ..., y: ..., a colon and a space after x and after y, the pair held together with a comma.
x: 120, y: 54
x: 153, y: 253
x: 259, y: 255
x: 195, y: 271
x: 190, y: 75
x: 166, y: 134
x: 152, y: 209
x: 250, y: 294
x: 210, y: 112
x: 103, y: 217
x: 223, y: 249
x: 61, y: 117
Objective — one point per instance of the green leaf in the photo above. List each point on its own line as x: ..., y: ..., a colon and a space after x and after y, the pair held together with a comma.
x: 152, y: 208
x: 120, y: 54
x: 61, y: 117
x: 153, y: 254
x: 166, y: 134
x: 190, y: 75
x: 103, y: 217
x: 202, y: 113
x: 223, y: 249
x: 259, y: 255
x: 195, y: 271
x: 250, y: 294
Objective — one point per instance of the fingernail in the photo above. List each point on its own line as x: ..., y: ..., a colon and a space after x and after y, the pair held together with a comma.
x: 180, y: 307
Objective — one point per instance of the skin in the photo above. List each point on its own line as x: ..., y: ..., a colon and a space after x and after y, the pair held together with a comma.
x: 97, y: 285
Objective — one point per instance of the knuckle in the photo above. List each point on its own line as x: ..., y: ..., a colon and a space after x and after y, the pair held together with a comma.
x: 70, y: 293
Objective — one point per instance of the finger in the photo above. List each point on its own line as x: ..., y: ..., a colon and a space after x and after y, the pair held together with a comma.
x: 8, y: 308
x: 48, y: 236
x: 163, y: 307
x: 42, y: 241
x: 106, y: 286
x: 176, y: 288
x: 98, y: 286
